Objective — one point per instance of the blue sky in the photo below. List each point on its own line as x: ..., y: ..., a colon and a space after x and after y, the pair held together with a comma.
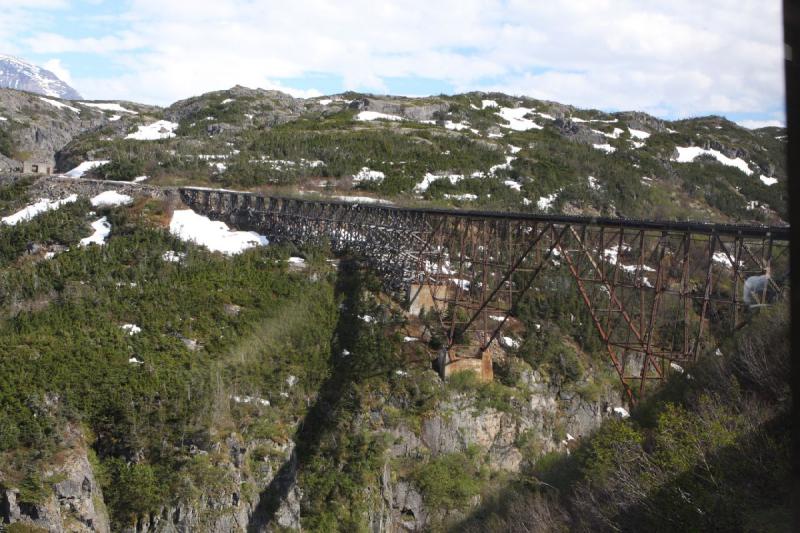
x: 672, y: 59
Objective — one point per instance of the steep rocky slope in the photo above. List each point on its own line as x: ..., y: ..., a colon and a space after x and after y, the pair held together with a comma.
x: 34, y: 127
x: 23, y: 76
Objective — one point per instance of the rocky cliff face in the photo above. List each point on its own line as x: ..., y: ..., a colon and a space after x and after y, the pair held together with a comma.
x: 76, y: 501
x: 41, y: 126
x: 551, y: 420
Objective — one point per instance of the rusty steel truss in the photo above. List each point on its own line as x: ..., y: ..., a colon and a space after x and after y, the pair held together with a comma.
x: 654, y: 290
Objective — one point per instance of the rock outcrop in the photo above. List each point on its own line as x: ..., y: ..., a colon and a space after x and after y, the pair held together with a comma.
x: 76, y: 502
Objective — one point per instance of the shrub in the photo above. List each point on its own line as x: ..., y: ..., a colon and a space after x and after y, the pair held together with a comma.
x: 450, y: 480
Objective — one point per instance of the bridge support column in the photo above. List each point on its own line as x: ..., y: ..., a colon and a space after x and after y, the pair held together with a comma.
x: 482, y: 366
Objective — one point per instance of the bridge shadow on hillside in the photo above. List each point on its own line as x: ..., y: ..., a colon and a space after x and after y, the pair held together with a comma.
x: 335, y: 396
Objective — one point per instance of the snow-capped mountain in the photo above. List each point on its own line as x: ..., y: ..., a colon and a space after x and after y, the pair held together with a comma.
x: 18, y: 74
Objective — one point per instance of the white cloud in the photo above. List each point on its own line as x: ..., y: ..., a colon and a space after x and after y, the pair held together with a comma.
x: 55, y: 66
x: 679, y: 58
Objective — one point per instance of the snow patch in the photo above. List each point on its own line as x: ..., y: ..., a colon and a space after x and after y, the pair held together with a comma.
x: 374, y: 115
x: 365, y: 174
x: 430, y: 178
x: 488, y: 103
x: 109, y: 106
x: 250, y: 399
x: 546, y: 202
x: 131, y: 329
x: 465, y: 196
x: 110, y: 198
x: 676, y: 367
x: 638, y: 134
x: 36, y: 208
x: 85, y: 167
x: 325, y: 101
x: 162, y: 129
x: 508, y: 342
x: 607, y: 148
x: 593, y: 183
x: 723, y: 259
x: 768, y: 181
x: 362, y: 200
x: 214, y: 235
x: 687, y: 154
x: 621, y: 412
x: 513, y: 184
x: 140, y: 179
x: 56, y: 103
x: 515, y: 117
x: 102, y: 229
x: 171, y: 256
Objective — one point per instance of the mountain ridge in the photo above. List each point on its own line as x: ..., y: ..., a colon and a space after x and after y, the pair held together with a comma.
x: 16, y: 73
x: 474, y: 150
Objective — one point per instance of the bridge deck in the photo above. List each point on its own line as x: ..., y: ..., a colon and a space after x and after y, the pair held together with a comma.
x: 776, y: 232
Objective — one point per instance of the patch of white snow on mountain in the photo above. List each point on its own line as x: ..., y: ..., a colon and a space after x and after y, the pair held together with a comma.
x: 362, y: 200
x: 110, y: 106
x: 593, y: 183
x: 508, y: 342
x: 140, y: 179
x: 607, y: 148
x: 723, y: 259
x: 227, y: 101
x: 131, y: 329
x: 494, y: 168
x: 374, y: 115
x: 162, y: 129
x: 3, y: 119
x: 325, y: 101
x: 56, y: 103
x: 85, y: 167
x: 605, y: 121
x: 365, y: 174
x: 214, y: 235
x: 171, y: 256
x: 613, y: 135
x: 110, y: 198
x: 687, y: 154
x: 514, y: 149
x: 488, y: 103
x: 102, y: 229
x: 515, y: 117
x: 638, y: 134
x: 465, y: 197
x: 546, y: 202
x: 36, y: 208
x: 768, y: 181
x: 513, y: 184
x: 430, y: 178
